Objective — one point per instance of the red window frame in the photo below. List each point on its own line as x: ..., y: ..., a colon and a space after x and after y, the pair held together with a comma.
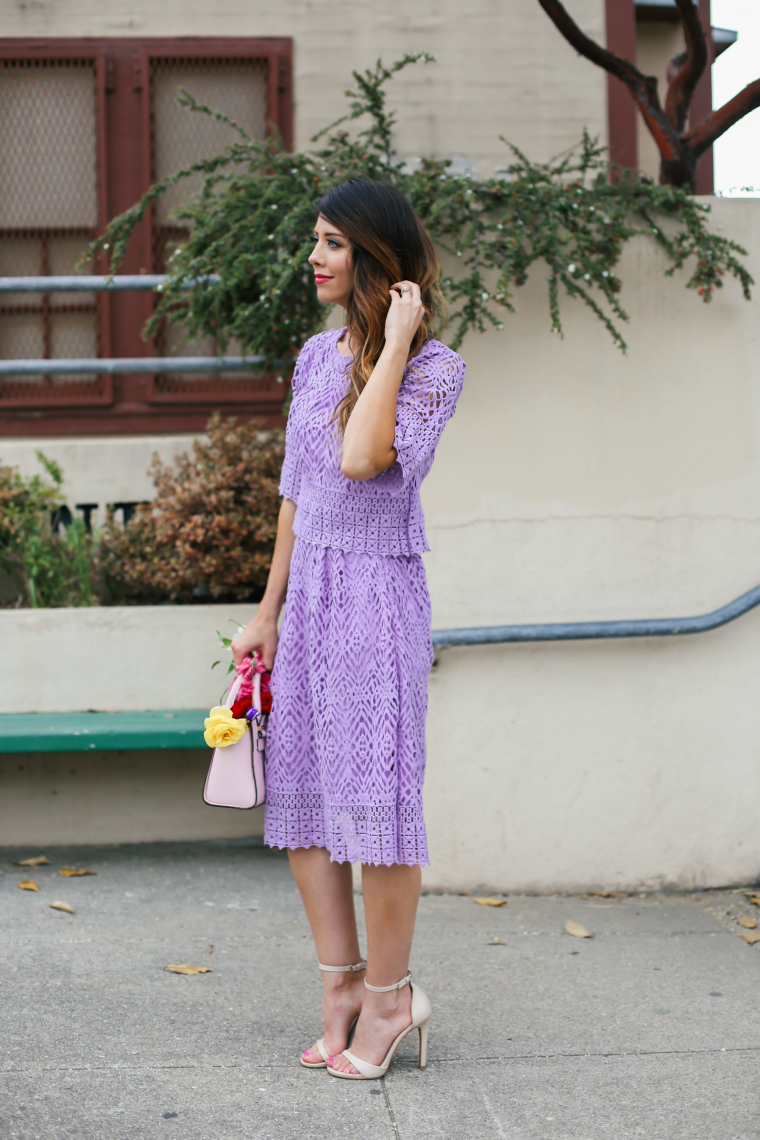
x: 122, y: 404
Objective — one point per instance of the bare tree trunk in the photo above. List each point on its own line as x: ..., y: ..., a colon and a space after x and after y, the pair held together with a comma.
x: 680, y: 149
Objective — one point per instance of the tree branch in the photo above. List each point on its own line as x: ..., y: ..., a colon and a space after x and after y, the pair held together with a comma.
x: 704, y: 134
x: 642, y: 88
x: 585, y: 46
x: 682, y: 84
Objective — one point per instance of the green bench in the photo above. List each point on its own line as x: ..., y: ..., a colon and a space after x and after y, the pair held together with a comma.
x: 102, y: 731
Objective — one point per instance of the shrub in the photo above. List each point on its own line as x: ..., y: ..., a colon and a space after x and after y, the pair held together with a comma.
x: 56, y: 565
x: 209, y: 533
x: 252, y: 222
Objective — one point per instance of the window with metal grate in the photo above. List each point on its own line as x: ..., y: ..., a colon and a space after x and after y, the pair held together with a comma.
x: 49, y: 211
x: 87, y: 126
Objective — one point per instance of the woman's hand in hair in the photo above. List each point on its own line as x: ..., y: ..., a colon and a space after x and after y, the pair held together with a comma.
x: 405, y: 313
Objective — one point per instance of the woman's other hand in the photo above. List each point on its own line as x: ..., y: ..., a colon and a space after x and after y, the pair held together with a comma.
x: 259, y: 636
x: 405, y: 313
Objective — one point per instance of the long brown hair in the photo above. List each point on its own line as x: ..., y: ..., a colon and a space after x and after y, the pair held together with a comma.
x: 388, y: 244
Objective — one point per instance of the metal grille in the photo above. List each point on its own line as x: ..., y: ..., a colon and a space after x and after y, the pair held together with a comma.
x: 238, y: 88
x: 48, y: 214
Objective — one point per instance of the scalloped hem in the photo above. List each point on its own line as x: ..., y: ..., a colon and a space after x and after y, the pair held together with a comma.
x: 377, y: 834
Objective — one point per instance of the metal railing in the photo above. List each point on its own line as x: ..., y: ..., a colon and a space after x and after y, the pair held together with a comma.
x: 94, y: 366
x: 590, y: 630
x: 78, y: 283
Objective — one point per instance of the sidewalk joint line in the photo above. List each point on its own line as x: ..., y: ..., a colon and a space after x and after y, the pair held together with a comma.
x: 389, y: 1106
x: 400, y: 1064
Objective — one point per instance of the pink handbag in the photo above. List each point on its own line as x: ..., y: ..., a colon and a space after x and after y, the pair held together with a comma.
x: 235, y: 777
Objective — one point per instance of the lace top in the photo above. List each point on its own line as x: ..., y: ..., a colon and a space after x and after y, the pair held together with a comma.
x: 381, y: 515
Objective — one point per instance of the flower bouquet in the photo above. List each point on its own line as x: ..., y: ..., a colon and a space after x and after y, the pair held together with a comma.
x: 236, y: 731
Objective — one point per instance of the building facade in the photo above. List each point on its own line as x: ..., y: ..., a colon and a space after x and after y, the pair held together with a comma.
x: 92, y: 120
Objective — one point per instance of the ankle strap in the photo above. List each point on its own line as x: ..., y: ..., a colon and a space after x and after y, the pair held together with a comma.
x: 344, y: 969
x: 396, y: 985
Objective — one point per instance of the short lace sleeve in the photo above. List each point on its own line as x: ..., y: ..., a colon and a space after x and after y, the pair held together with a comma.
x: 427, y: 400
x: 290, y: 479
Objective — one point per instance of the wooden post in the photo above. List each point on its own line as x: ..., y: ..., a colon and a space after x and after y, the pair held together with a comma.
x: 701, y: 104
x: 620, y: 18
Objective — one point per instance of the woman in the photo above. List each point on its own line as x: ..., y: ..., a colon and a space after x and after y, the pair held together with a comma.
x: 346, y: 741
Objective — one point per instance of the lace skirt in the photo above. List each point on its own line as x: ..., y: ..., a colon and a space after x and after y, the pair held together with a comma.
x: 346, y: 740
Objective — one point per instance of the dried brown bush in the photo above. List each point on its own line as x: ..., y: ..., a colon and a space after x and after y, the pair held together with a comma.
x: 209, y: 533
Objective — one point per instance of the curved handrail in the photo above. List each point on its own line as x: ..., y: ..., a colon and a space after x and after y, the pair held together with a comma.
x: 582, y: 630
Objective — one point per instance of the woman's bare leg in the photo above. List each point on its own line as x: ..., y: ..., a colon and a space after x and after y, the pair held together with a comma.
x: 391, y: 895
x: 328, y: 897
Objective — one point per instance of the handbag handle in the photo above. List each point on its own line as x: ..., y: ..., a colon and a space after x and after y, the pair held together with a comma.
x: 233, y: 692
x: 235, y: 689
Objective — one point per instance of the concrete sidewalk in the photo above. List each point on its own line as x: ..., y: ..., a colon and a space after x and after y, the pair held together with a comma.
x: 650, y: 1029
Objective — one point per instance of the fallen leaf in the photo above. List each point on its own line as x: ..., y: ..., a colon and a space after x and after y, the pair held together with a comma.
x: 610, y: 895
x: 754, y: 899
x: 185, y: 969
x: 577, y: 930
x: 28, y: 885
x: 491, y: 902
x: 36, y: 861
x: 748, y: 921
x: 63, y: 906
x: 496, y: 942
x: 751, y: 936
x: 70, y: 872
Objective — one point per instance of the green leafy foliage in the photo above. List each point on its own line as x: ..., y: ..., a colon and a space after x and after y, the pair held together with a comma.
x: 209, y: 533
x: 56, y: 567
x: 227, y: 644
x: 252, y: 223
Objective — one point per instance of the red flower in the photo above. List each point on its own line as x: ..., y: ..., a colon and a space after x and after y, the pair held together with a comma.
x: 240, y: 707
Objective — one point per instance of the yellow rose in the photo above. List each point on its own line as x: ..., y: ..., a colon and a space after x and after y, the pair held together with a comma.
x: 222, y: 729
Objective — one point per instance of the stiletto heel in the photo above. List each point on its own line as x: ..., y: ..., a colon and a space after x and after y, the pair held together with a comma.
x: 423, y: 1042
x: 320, y: 1045
x: 421, y: 1012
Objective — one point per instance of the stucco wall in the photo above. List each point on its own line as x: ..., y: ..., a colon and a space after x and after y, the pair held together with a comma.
x: 576, y: 482
x: 502, y: 67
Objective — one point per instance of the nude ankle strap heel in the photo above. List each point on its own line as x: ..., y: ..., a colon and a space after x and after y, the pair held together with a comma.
x: 320, y: 1045
x: 405, y: 981
x: 344, y: 969
x: 421, y: 1012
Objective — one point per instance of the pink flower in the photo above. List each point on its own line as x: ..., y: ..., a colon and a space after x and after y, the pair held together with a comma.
x: 245, y: 692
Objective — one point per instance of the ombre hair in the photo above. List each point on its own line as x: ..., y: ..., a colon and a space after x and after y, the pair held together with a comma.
x: 388, y: 244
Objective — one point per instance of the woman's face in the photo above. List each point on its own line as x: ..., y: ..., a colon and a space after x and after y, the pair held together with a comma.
x: 331, y: 262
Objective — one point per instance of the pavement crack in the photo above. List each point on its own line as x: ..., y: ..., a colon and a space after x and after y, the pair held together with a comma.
x: 389, y: 1106
x: 120, y: 1067
x: 470, y: 1060
x: 497, y: 1122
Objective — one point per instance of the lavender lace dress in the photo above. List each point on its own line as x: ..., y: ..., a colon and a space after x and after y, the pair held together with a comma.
x: 346, y: 739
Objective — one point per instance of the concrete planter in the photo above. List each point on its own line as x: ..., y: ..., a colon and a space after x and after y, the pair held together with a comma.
x: 119, y: 658
x: 550, y: 767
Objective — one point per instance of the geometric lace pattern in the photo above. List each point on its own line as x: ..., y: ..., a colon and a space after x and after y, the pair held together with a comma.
x: 381, y: 515
x: 345, y: 758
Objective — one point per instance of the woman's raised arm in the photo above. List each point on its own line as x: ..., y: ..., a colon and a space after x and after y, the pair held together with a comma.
x: 368, y: 441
